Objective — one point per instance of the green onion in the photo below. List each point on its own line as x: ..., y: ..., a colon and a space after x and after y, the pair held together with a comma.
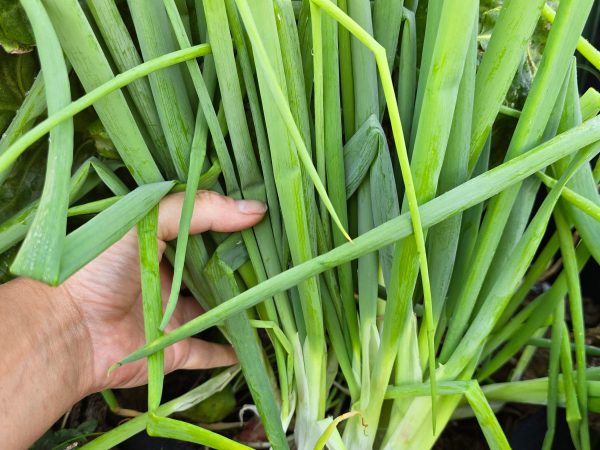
x: 423, y: 130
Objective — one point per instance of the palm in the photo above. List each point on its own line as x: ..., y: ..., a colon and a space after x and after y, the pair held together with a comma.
x: 107, y: 294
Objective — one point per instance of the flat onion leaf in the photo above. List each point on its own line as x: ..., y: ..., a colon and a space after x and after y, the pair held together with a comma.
x: 183, y: 431
x: 84, y: 52
x: 137, y: 424
x: 99, y: 233
x: 462, y: 197
x: 147, y: 230
x: 284, y: 110
x: 39, y: 256
x: 119, y: 81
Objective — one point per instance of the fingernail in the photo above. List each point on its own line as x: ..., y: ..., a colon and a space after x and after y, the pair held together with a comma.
x: 251, y: 206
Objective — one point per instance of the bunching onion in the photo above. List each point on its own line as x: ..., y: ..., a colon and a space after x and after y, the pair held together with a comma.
x: 393, y: 276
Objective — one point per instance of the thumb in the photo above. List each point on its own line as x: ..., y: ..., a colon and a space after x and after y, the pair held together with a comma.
x: 212, y: 211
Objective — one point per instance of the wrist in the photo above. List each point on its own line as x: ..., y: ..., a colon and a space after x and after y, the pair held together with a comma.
x: 54, y: 318
x: 45, y: 363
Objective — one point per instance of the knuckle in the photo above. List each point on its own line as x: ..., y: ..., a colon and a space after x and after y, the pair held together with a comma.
x: 211, y: 197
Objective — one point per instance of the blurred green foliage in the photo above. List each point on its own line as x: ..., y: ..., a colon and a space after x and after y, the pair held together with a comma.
x: 15, y: 32
x: 17, y: 73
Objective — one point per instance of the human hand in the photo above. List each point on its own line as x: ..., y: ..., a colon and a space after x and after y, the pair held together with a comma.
x: 106, y: 295
x: 58, y: 343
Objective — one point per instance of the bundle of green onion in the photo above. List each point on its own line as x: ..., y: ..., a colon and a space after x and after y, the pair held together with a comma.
x: 391, y: 272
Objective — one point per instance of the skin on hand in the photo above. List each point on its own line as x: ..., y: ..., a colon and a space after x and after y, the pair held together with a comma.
x: 107, y: 293
x: 66, y: 338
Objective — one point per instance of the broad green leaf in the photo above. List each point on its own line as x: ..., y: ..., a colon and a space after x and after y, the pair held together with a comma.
x: 15, y: 31
x: 258, y: 120
x: 213, y: 409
